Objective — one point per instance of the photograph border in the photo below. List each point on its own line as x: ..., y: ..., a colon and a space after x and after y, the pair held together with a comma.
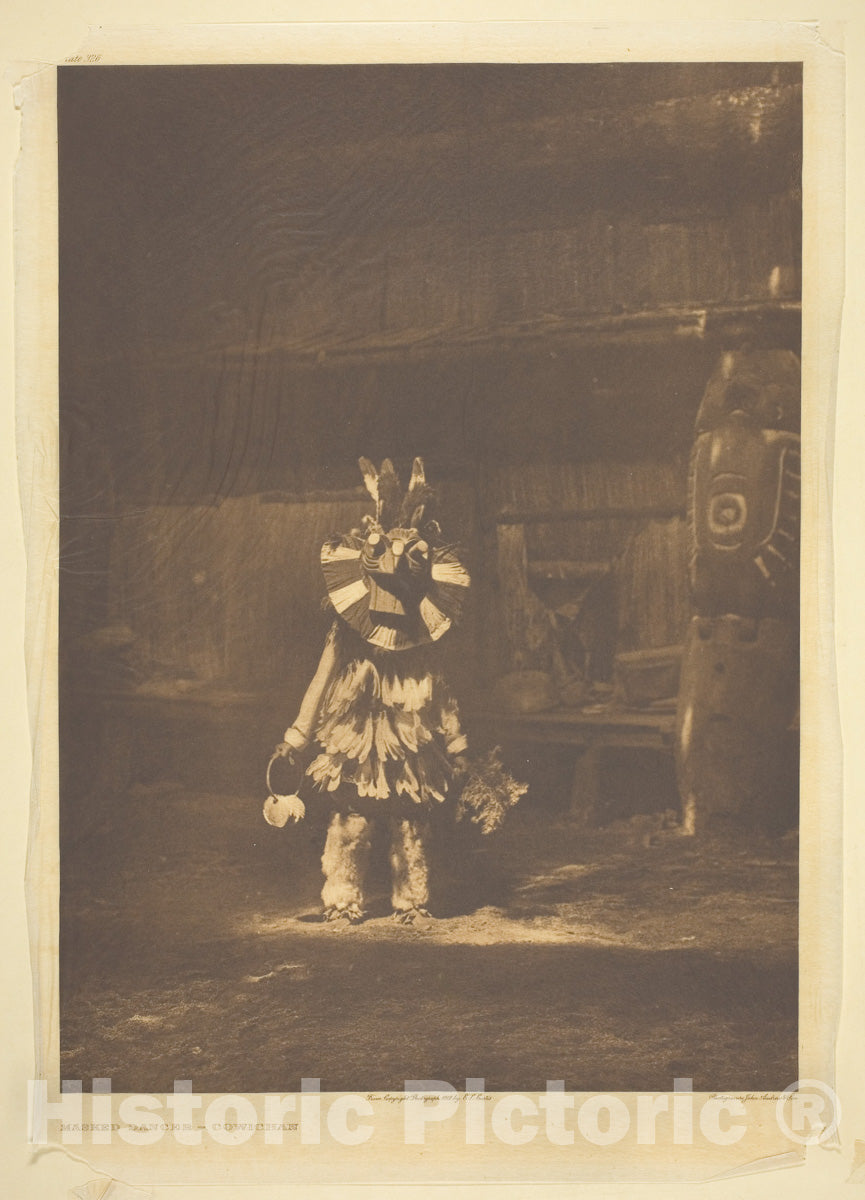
x: 820, y: 949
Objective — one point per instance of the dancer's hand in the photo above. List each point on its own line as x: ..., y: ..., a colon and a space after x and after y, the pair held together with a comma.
x: 284, y: 750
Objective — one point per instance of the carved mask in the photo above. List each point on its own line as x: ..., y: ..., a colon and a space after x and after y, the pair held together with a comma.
x: 745, y: 487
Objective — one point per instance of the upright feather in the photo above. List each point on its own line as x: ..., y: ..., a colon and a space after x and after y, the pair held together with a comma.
x: 370, y: 478
x: 390, y: 494
x: 418, y: 498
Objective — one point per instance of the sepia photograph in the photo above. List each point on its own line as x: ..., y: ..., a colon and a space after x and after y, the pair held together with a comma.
x: 429, y: 575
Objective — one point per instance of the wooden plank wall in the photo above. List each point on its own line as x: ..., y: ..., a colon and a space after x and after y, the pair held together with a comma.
x: 212, y: 266
x: 647, y: 558
x: 254, y: 406
x: 231, y: 594
x: 249, y: 303
x: 653, y: 603
x: 584, y: 486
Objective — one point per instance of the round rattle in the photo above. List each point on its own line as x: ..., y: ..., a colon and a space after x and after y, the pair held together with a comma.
x: 279, y: 809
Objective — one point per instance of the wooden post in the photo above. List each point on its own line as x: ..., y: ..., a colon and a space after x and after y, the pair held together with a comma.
x: 527, y: 626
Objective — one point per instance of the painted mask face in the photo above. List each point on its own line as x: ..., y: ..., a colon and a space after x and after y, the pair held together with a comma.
x: 745, y: 487
x: 398, y: 570
x: 392, y: 582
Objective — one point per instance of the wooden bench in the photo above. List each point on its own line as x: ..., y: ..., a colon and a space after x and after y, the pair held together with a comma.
x: 589, y: 732
x: 235, y: 729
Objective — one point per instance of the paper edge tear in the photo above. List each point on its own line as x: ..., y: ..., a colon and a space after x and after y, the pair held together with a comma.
x: 857, y: 1164
x: 107, y: 1188
x: 757, y: 1166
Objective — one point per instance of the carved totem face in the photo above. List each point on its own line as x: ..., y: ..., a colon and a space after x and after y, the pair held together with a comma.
x: 745, y: 487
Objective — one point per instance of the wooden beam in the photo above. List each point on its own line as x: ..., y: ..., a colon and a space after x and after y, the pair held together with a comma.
x: 657, y: 512
x: 567, y: 569
x: 769, y: 322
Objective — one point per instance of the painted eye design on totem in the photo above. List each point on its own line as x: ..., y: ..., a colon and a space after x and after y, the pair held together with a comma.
x: 728, y: 515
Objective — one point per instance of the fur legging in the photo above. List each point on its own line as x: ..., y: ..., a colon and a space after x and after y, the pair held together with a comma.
x: 347, y: 853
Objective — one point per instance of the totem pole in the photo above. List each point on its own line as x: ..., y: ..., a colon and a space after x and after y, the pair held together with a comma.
x: 738, y: 693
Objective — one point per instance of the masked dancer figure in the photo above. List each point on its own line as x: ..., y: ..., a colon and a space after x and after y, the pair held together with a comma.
x: 383, y: 720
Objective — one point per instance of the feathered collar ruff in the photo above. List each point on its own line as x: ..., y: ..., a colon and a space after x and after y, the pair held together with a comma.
x: 352, y: 647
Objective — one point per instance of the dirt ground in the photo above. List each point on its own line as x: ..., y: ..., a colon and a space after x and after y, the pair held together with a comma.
x: 616, y: 959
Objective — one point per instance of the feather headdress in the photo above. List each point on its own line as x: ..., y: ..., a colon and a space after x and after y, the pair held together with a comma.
x: 395, y: 584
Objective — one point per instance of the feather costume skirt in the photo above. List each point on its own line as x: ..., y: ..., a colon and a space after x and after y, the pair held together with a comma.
x: 387, y: 730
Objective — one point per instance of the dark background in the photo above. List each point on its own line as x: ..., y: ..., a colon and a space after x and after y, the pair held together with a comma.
x: 525, y: 274
x: 267, y: 271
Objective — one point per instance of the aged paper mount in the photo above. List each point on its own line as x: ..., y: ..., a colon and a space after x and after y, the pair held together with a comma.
x: 387, y: 1158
